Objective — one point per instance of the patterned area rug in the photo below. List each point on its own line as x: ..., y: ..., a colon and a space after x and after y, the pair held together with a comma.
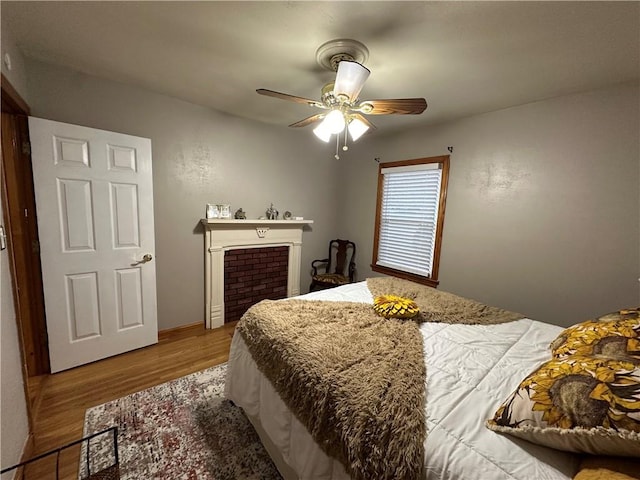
x: 182, y: 429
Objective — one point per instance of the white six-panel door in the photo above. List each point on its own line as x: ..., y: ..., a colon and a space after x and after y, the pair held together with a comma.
x: 94, y: 200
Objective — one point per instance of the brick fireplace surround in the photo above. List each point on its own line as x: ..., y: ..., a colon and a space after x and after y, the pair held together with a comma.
x: 225, y: 240
x: 252, y: 275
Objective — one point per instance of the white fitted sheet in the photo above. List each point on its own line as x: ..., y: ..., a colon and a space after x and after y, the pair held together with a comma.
x: 471, y: 369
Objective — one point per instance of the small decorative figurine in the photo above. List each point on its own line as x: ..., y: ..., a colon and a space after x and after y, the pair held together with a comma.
x: 272, y: 213
x: 240, y: 214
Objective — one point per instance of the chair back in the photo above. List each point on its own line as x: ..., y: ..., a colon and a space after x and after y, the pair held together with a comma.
x: 341, y: 257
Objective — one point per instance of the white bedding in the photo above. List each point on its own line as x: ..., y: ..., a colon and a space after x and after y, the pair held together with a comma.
x: 471, y: 369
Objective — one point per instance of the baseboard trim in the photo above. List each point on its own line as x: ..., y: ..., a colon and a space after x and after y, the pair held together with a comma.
x: 27, y: 453
x: 181, y: 331
x: 36, y: 387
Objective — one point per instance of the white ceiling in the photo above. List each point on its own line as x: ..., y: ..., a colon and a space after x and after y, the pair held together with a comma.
x: 463, y: 57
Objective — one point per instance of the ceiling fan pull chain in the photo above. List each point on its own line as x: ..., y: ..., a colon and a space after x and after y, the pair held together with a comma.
x: 345, y: 147
x: 336, y: 156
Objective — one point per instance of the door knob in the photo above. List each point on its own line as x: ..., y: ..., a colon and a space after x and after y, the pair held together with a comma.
x: 147, y: 257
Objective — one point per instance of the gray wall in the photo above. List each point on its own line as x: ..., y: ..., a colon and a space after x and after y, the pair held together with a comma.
x: 13, y: 407
x: 542, y: 211
x: 14, y: 424
x: 17, y: 75
x: 199, y: 156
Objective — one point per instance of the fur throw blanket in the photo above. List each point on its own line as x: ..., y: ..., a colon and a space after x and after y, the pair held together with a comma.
x: 354, y: 379
x: 438, y: 306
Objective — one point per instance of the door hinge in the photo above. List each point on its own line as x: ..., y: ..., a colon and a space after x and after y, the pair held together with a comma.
x: 3, y: 238
x: 26, y: 148
x: 35, y: 246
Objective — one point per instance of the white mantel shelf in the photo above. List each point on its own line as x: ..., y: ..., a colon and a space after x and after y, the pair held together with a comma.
x: 251, y: 222
x: 228, y: 234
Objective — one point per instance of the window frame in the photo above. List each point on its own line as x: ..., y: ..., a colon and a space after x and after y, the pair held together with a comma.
x: 432, y: 280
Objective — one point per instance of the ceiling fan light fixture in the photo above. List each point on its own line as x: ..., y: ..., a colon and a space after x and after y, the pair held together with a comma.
x: 357, y: 128
x: 334, y: 121
x: 341, y: 109
x: 350, y: 79
x: 322, y: 132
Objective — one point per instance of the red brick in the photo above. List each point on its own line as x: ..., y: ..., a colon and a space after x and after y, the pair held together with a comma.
x: 252, y: 275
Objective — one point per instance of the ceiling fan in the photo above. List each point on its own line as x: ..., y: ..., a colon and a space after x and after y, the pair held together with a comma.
x: 343, y: 110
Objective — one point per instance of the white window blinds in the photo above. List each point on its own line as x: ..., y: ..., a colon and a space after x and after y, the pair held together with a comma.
x: 408, y: 217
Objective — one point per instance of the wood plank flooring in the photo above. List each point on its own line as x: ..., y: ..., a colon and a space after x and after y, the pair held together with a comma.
x: 65, y: 396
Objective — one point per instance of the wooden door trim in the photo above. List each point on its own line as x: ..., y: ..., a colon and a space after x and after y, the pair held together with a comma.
x: 31, y: 325
x: 18, y: 197
x: 12, y: 102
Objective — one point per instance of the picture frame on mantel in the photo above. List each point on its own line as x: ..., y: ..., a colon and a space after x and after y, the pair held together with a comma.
x: 212, y: 211
x: 224, y: 210
x: 219, y: 210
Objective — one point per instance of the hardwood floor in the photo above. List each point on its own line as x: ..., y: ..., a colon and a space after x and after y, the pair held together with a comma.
x: 65, y: 396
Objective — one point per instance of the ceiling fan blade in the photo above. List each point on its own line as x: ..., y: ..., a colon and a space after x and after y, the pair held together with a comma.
x: 350, y: 79
x: 309, y: 120
x: 290, y: 98
x: 401, y: 106
x: 365, y: 121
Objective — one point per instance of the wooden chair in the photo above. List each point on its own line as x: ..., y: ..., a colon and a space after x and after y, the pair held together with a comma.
x: 339, y: 267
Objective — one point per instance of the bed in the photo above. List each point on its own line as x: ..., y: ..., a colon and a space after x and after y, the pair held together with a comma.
x: 470, y: 369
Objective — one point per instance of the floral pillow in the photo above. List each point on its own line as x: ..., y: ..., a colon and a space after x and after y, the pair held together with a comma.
x: 577, y: 403
x: 587, y: 397
x: 624, y: 314
x: 393, y: 306
x: 615, y: 339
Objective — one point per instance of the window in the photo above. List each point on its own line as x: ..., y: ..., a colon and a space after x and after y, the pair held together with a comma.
x: 410, y: 217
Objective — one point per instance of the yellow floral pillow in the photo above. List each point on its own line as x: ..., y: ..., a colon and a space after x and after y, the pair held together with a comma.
x: 390, y: 306
x: 624, y: 314
x: 615, y: 338
x: 577, y: 403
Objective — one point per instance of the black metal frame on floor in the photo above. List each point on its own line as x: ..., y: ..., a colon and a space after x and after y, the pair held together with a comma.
x: 58, y: 450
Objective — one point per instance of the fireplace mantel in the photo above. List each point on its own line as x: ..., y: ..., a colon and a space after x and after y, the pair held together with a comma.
x: 227, y: 234
x: 233, y: 223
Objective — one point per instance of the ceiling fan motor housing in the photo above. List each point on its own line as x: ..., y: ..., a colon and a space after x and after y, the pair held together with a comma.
x: 327, y: 96
x: 336, y: 59
x: 331, y: 53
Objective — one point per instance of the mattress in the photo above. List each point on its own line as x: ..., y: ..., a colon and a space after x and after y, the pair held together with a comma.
x: 471, y: 369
